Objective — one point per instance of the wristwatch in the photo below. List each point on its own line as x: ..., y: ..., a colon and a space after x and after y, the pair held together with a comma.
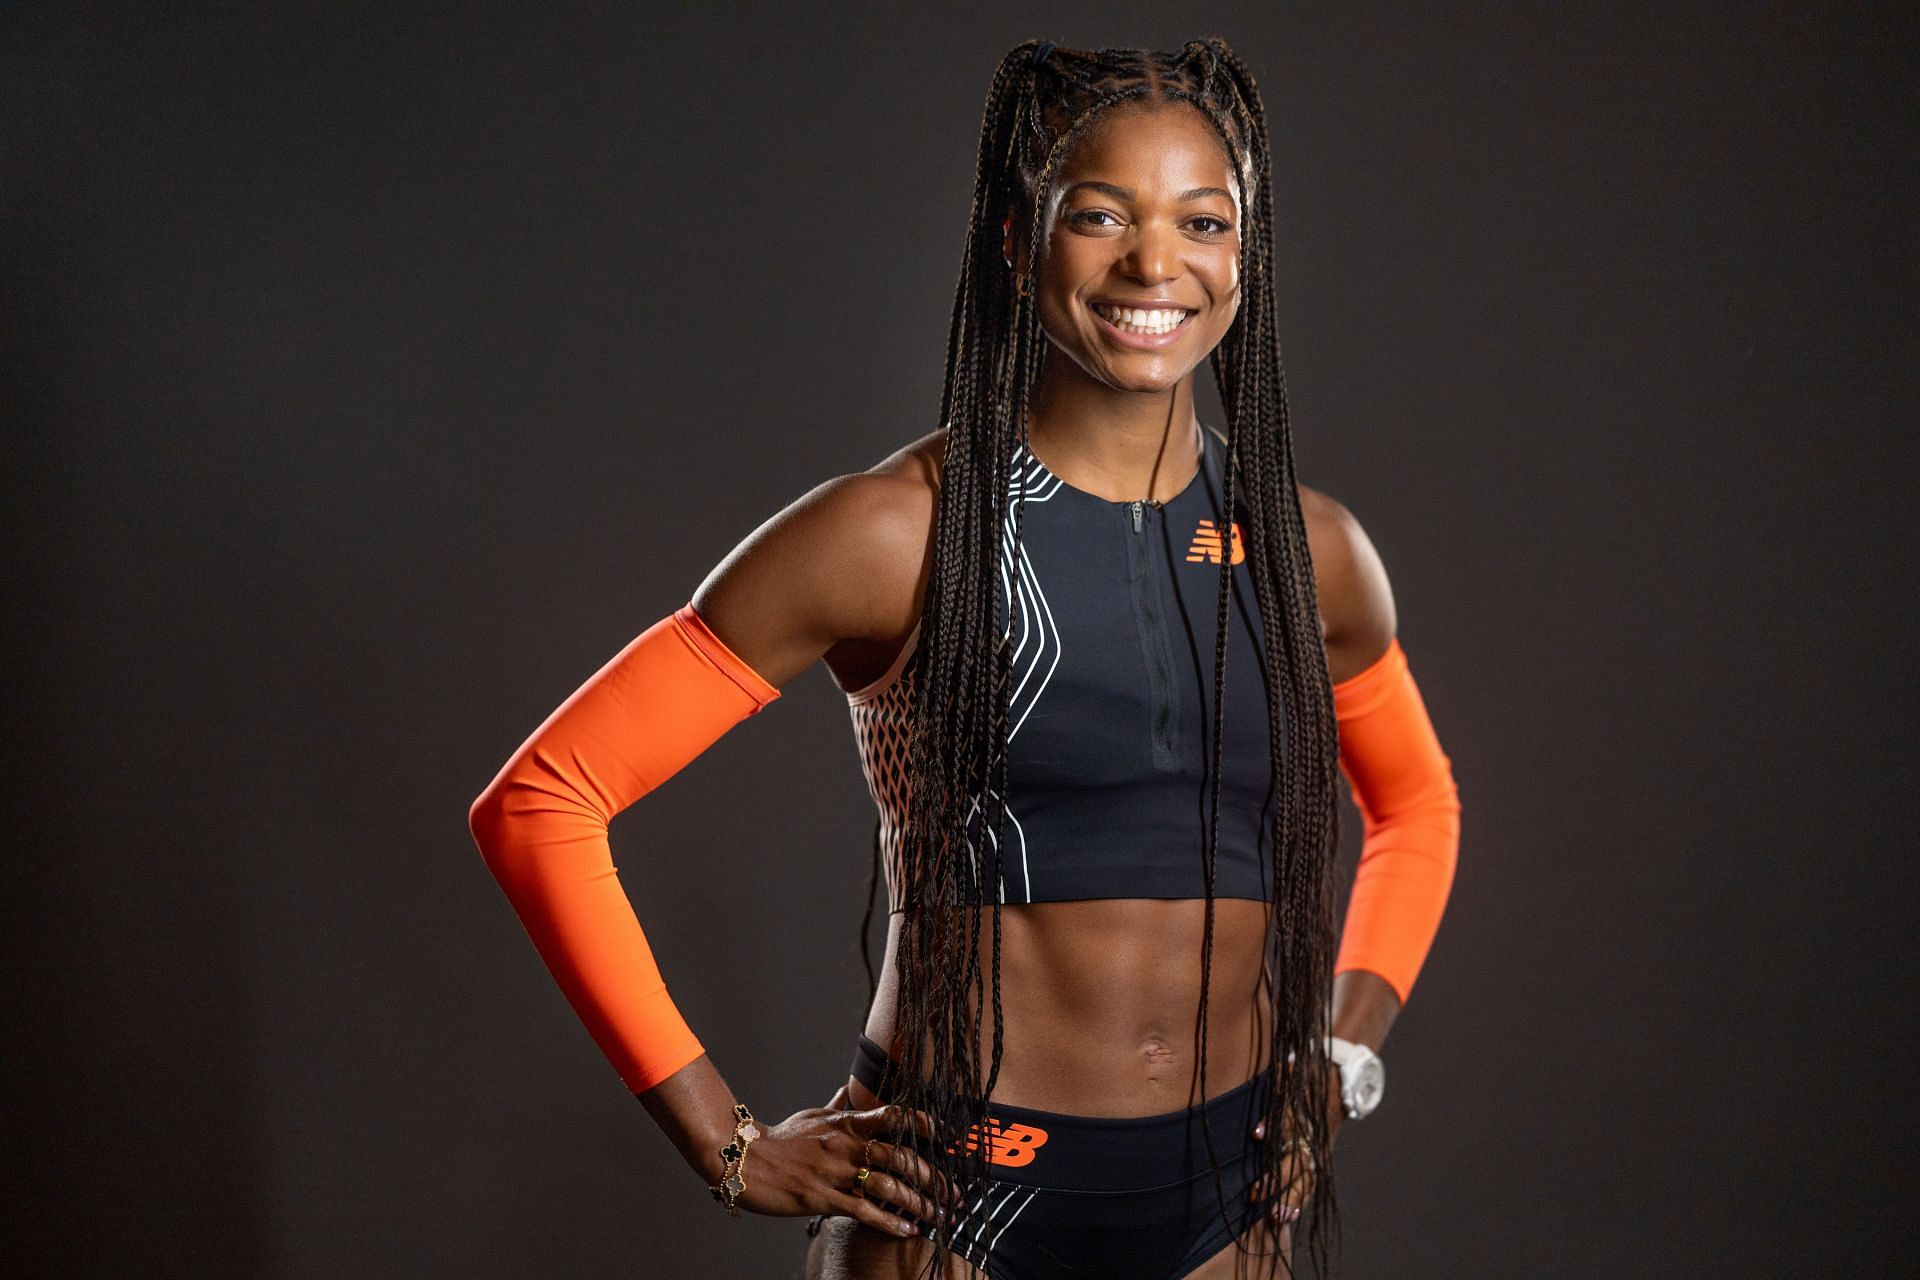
x: 1363, y: 1077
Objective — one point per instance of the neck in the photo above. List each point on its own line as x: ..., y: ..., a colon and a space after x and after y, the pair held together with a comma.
x: 1119, y: 445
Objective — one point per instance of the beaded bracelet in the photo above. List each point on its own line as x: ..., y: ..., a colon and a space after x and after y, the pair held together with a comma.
x: 735, y: 1154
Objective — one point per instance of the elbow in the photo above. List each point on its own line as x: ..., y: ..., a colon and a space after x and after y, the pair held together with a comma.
x: 486, y: 821
x: 523, y: 820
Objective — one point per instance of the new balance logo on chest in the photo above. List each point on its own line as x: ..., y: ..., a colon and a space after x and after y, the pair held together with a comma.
x: 1206, y: 544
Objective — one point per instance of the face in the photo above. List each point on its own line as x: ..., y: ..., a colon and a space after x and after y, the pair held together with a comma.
x: 1140, y: 275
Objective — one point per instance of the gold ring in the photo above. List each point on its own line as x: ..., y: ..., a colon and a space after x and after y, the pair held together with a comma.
x: 860, y: 1177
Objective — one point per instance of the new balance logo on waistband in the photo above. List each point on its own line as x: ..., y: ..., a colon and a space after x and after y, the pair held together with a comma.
x: 1007, y: 1144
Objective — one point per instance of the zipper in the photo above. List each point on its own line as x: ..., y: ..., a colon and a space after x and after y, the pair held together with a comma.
x: 1153, y: 640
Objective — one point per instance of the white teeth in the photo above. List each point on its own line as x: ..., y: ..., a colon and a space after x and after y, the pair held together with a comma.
x: 1142, y: 320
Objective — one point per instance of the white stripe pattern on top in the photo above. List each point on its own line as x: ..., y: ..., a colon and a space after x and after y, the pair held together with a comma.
x: 881, y: 711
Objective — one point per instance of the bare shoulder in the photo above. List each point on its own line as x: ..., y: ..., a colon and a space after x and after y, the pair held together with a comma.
x: 838, y: 573
x: 1355, y: 596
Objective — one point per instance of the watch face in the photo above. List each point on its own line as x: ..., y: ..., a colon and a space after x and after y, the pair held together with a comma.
x: 1368, y: 1088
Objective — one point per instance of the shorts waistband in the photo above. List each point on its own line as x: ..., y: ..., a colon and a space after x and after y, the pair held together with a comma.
x: 1094, y: 1154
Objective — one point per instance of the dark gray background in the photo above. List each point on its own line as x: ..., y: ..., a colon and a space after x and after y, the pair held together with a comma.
x: 373, y: 372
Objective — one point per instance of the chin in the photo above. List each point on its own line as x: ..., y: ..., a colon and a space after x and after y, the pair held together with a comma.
x: 1144, y: 386
x: 1144, y: 381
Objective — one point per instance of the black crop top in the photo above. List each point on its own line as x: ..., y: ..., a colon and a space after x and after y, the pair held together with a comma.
x: 1109, y: 736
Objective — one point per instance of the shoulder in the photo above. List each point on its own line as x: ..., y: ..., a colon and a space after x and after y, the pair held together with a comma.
x: 1355, y: 596
x: 842, y: 564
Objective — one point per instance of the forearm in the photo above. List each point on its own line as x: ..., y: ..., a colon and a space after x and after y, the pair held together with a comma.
x: 1402, y: 883
x: 694, y: 1108
x: 542, y: 827
x: 1364, y: 1007
x: 551, y: 858
x: 1403, y: 787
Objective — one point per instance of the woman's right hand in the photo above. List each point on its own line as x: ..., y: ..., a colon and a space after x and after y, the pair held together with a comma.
x: 806, y: 1165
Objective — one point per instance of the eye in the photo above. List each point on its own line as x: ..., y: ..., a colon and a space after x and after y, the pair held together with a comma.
x: 1207, y: 224
x: 1085, y: 218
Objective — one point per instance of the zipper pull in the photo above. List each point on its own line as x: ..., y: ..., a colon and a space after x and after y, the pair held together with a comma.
x: 1136, y: 516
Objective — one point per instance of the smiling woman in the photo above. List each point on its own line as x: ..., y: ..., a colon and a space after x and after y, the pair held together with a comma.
x: 1115, y: 1030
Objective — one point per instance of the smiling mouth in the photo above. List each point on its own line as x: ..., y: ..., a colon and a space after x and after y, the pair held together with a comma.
x: 1148, y: 322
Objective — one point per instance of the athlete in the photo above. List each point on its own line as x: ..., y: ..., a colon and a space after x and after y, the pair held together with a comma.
x: 1105, y: 662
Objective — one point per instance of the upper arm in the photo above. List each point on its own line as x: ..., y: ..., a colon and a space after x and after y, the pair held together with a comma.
x: 1355, y: 597
x: 842, y: 562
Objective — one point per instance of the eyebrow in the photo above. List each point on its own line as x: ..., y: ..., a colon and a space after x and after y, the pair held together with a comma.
x: 1123, y: 193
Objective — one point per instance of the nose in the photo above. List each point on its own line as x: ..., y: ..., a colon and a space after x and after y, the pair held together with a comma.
x: 1153, y: 256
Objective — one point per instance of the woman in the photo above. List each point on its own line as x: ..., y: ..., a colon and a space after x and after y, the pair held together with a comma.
x: 1111, y: 958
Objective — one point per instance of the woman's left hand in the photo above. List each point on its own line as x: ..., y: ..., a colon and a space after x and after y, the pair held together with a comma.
x: 1291, y: 1188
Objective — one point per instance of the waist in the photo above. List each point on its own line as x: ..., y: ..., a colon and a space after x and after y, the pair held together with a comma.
x: 1099, y: 1000
x: 1031, y: 1146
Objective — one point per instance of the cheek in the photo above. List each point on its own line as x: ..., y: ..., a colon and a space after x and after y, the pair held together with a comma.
x: 1226, y: 289
x: 1066, y: 264
x: 1060, y: 280
x: 1057, y: 320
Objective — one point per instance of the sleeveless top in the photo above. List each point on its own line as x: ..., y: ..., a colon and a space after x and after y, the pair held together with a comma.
x: 1110, y: 742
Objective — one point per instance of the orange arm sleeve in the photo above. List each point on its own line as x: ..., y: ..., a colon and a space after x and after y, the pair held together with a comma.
x: 1403, y: 785
x: 541, y: 825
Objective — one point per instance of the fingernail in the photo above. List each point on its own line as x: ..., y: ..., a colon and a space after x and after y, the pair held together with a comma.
x: 1290, y: 1213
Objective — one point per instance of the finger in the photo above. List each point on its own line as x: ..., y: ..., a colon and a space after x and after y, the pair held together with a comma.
x: 924, y: 1177
x: 1297, y: 1166
x: 1299, y: 1171
x: 894, y: 1119
x: 1295, y: 1176
x: 864, y: 1210
x: 1294, y: 1196
x: 1277, y: 1237
x: 894, y: 1192
x: 838, y: 1102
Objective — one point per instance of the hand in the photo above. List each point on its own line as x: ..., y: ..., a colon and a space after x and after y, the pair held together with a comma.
x: 1293, y: 1185
x: 806, y: 1165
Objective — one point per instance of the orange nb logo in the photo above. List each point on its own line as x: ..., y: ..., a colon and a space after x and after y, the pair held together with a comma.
x: 1007, y: 1144
x: 1206, y: 544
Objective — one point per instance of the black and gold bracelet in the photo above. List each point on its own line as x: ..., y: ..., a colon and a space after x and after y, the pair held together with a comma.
x: 735, y: 1154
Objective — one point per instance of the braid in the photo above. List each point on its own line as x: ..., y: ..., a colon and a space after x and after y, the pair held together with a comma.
x: 1041, y: 101
x: 1249, y: 371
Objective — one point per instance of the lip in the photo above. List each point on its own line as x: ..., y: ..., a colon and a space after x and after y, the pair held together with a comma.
x: 1141, y: 341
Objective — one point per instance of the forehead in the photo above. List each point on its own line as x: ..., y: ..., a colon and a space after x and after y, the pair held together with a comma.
x: 1164, y: 147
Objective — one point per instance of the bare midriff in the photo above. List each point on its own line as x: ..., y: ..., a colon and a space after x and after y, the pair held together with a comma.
x: 1100, y: 998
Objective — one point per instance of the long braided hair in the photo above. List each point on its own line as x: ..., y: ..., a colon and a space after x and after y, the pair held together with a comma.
x: 1043, y: 99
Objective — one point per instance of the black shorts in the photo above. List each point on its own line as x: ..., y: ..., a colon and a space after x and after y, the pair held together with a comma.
x: 1128, y: 1198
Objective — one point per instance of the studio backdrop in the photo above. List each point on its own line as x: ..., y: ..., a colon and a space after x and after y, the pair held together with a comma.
x: 372, y: 373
